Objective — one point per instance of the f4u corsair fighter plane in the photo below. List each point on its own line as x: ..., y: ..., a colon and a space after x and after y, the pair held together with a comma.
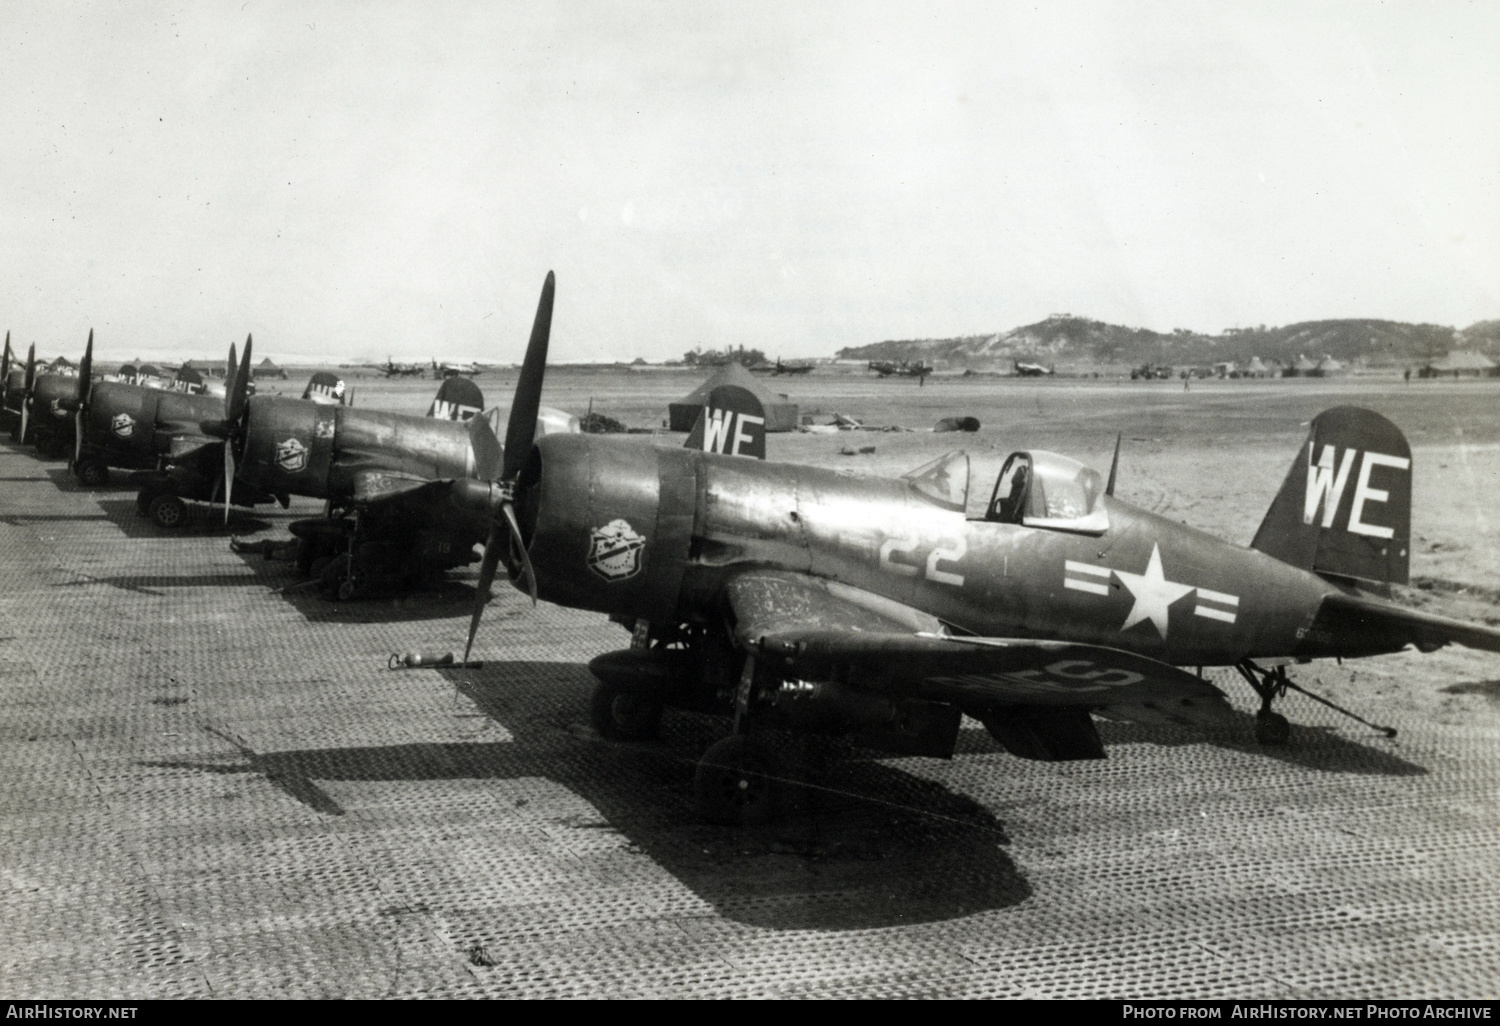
x: 796, y: 597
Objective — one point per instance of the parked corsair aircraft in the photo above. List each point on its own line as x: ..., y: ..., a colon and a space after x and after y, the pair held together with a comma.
x: 389, y: 524
x: 804, y: 598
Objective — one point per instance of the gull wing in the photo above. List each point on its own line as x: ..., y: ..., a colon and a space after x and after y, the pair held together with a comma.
x: 811, y: 628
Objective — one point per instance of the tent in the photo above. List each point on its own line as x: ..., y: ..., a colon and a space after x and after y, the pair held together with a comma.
x: 267, y: 369
x: 1301, y: 367
x: 781, y: 415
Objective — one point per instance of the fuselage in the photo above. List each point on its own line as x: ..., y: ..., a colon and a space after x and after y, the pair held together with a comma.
x: 1139, y: 582
x: 300, y: 447
x: 133, y: 425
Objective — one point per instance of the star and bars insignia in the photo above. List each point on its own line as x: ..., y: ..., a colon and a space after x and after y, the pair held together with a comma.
x: 1152, y: 592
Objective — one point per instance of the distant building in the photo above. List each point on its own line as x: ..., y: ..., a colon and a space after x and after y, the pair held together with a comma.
x: 1327, y: 368
x: 1459, y: 363
x: 267, y: 369
x: 206, y: 368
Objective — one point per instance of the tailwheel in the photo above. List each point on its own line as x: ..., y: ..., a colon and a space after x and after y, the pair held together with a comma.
x: 167, y: 511
x: 738, y: 782
x: 93, y: 472
x: 625, y: 713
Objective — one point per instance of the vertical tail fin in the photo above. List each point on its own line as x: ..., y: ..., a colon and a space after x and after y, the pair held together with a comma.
x: 326, y: 389
x: 733, y: 422
x: 1345, y: 506
x: 456, y: 399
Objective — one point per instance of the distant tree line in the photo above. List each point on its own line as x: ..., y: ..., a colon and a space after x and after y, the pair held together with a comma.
x: 700, y: 357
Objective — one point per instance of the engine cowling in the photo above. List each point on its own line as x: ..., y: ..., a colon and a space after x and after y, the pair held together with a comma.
x: 289, y: 446
x: 121, y: 417
x: 608, y: 523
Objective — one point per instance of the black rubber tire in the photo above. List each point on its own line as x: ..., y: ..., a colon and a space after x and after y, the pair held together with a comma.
x: 167, y: 511
x: 625, y: 714
x: 737, y: 782
x: 306, y: 555
x: 334, y: 576
x: 93, y: 473
x: 1272, y: 729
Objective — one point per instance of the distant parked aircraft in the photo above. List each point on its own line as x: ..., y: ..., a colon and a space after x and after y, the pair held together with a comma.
x: 1031, y: 370
x: 902, y: 368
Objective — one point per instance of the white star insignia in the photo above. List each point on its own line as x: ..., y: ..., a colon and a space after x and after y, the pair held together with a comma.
x: 1153, y: 594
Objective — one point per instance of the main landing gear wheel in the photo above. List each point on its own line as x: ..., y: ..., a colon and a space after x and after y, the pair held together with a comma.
x: 167, y: 511
x: 335, y: 581
x: 624, y: 714
x: 738, y: 783
x: 93, y: 473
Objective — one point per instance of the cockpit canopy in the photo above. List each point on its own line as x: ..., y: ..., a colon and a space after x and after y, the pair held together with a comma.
x: 944, y: 482
x: 1043, y: 489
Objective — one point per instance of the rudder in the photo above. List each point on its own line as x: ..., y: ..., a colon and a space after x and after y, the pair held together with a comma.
x: 1344, y: 509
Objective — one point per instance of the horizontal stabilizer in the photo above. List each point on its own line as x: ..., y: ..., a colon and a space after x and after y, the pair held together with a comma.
x: 1376, y: 626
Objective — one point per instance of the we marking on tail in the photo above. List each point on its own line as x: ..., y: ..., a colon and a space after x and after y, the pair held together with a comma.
x: 1344, y: 509
x: 717, y: 436
x: 733, y: 423
x: 1325, y: 487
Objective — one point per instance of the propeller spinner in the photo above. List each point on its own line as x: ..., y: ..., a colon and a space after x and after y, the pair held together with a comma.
x: 520, y: 432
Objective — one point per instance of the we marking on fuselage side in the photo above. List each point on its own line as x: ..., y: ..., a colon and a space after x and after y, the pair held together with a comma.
x: 1325, y: 487
x: 717, y: 436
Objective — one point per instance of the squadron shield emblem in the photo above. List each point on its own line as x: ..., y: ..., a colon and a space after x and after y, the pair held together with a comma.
x: 123, y: 425
x: 615, y: 551
x: 291, y: 455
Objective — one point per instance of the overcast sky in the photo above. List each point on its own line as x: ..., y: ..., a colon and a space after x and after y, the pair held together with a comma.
x: 351, y: 180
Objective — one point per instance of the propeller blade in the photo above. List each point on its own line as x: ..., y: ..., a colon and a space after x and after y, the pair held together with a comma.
x: 77, y: 438
x: 25, y: 416
x: 228, y: 478
x: 515, y: 532
x: 486, y: 578
x: 30, y: 368
x: 229, y: 371
x: 521, y: 429
x: 5, y: 362
x: 86, y: 371
x: 235, y: 404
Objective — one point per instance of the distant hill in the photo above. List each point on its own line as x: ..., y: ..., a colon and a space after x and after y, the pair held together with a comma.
x: 1066, y: 339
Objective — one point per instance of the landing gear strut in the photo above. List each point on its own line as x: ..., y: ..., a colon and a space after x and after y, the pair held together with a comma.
x: 739, y: 779
x: 1272, y: 728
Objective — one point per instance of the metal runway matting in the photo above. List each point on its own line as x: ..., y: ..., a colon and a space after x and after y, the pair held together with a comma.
x: 215, y: 788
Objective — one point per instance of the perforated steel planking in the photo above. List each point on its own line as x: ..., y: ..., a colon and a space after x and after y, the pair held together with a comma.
x: 208, y: 788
